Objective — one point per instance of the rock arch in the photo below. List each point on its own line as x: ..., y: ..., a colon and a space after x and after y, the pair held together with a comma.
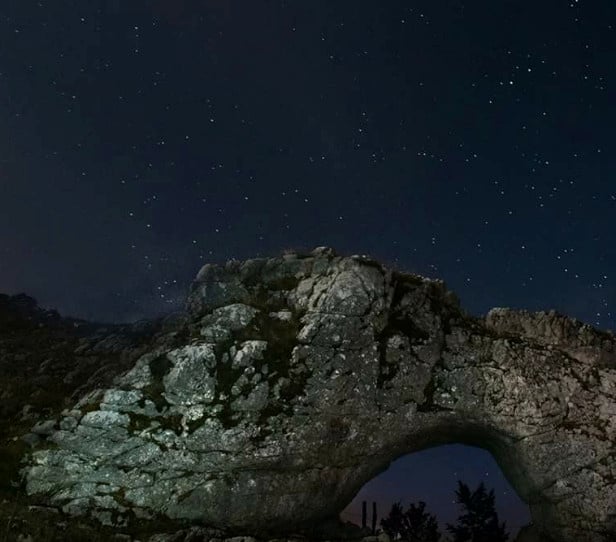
x: 288, y: 383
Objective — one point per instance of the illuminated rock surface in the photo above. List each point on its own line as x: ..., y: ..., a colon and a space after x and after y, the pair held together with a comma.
x: 288, y: 383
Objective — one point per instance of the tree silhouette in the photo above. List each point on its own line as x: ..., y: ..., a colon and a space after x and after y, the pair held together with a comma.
x: 480, y: 522
x: 414, y: 525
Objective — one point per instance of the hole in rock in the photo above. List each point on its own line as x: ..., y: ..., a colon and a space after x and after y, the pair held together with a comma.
x: 432, y: 475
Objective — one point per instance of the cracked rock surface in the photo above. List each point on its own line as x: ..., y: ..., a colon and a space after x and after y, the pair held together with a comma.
x: 288, y: 383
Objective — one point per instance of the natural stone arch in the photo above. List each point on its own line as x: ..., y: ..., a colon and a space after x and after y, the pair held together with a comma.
x: 290, y: 382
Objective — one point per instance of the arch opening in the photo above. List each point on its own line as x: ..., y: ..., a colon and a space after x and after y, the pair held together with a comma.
x: 430, y: 472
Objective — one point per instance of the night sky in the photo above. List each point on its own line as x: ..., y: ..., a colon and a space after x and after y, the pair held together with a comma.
x: 469, y: 141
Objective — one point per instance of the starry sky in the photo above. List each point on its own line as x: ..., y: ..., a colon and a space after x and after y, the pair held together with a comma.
x: 469, y: 141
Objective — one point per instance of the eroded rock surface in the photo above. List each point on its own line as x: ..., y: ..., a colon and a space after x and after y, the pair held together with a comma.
x: 289, y: 383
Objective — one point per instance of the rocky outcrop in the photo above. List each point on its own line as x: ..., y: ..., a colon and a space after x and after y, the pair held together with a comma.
x: 288, y: 383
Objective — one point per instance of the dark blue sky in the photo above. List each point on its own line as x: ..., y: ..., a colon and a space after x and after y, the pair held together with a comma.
x: 470, y: 141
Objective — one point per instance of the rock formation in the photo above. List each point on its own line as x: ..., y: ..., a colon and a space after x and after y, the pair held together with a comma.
x: 285, y: 386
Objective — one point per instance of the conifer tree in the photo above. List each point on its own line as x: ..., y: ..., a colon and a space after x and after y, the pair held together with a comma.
x: 480, y: 521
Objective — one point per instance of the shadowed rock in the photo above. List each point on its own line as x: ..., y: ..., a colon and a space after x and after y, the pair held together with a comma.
x: 289, y: 383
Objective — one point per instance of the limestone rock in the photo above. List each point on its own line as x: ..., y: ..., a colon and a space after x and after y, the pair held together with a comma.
x: 287, y: 384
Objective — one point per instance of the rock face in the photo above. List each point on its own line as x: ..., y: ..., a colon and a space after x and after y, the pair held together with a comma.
x: 289, y: 383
